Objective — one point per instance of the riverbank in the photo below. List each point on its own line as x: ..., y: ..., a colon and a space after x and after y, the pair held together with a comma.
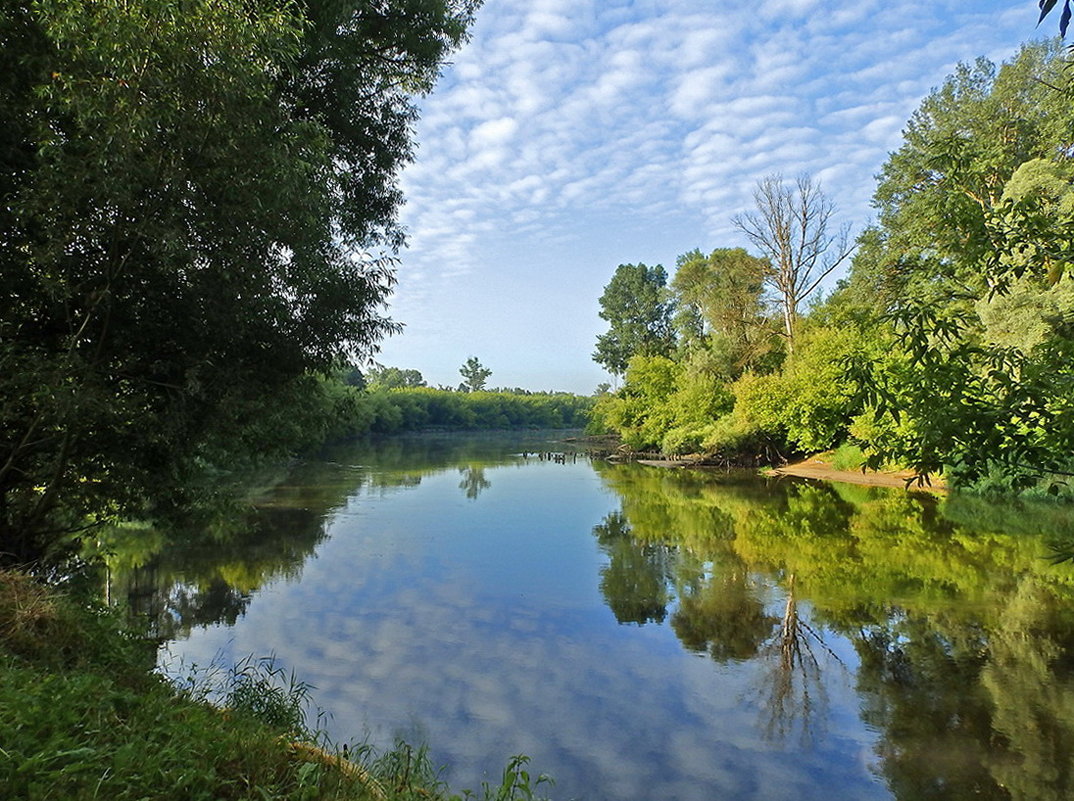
x: 83, y: 714
x: 818, y: 468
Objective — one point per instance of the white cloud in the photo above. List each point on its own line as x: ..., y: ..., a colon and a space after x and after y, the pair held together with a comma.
x: 697, y: 88
x: 782, y: 8
x: 493, y: 133
x: 565, y: 120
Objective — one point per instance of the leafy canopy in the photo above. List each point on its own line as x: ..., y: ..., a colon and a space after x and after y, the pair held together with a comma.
x: 189, y: 194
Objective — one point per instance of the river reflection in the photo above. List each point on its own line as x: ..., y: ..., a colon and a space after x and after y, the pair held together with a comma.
x: 643, y: 634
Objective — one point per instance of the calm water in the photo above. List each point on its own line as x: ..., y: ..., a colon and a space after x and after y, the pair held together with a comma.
x: 640, y: 633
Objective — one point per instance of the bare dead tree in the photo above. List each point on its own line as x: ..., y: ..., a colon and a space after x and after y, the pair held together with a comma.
x: 791, y: 228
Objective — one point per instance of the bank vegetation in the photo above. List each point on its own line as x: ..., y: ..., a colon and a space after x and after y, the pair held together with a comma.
x: 946, y: 347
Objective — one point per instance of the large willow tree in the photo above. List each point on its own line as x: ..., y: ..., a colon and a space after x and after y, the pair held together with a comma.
x: 188, y: 193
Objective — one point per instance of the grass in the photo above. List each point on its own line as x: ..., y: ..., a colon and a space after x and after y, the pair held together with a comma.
x: 847, y: 457
x: 83, y: 715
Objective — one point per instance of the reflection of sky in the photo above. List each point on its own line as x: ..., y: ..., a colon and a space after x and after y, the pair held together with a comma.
x: 478, y: 626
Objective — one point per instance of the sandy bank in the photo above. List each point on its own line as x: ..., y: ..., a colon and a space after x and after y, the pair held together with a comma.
x: 815, y: 467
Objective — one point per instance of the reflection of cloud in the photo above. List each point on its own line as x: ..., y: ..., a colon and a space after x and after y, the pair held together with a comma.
x: 481, y: 626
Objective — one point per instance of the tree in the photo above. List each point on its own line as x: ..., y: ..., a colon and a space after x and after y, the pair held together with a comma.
x: 975, y: 231
x: 381, y: 377
x: 638, y: 309
x: 961, y: 147
x: 720, y: 302
x: 188, y: 192
x: 351, y: 375
x: 791, y: 228
x: 474, y: 374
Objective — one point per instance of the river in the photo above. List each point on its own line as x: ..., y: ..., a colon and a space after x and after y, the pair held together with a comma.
x: 641, y: 634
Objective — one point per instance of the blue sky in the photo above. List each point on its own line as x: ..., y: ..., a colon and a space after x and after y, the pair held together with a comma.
x: 570, y: 136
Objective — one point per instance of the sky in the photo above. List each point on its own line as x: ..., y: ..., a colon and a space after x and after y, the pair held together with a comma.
x: 570, y: 136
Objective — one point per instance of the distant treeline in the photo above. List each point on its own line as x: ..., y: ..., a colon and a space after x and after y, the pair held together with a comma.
x: 389, y: 411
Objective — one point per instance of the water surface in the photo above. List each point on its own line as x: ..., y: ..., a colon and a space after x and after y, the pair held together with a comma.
x: 644, y: 633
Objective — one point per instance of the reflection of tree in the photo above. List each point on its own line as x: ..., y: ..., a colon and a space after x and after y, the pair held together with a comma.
x: 963, y: 627
x: 972, y: 706
x: 473, y: 481
x: 635, y: 580
x: 190, y: 581
x: 721, y: 613
x: 1028, y: 680
x: 965, y: 637
x: 207, y: 571
x: 172, y: 609
x: 423, y: 454
x: 919, y: 679
x: 795, y: 698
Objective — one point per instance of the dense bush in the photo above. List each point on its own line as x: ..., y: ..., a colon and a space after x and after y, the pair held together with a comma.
x: 665, y: 404
x: 812, y: 400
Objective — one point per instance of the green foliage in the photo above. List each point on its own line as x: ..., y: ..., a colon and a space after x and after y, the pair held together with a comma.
x: 515, y: 784
x: 759, y: 402
x: 686, y: 407
x: 381, y: 377
x: 720, y: 305
x: 187, y: 195
x: 1027, y: 315
x: 421, y: 408
x: 1031, y: 227
x: 664, y: 404
x: 975, y: 232
x: 638, y: 310
x: 739, y: 442
x: 352, y: 376
x: 58, y: 633
x: 474, y: 375
x: 848, y: 457
x: 812, y: 400
x: 995, y: 418
x: 961, y: 147
x: 255, y: 690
